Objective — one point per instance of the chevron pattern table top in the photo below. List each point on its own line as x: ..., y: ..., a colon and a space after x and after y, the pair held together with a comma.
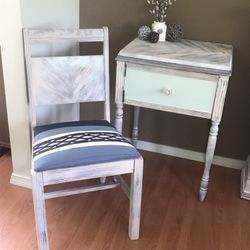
x: 189, y: 55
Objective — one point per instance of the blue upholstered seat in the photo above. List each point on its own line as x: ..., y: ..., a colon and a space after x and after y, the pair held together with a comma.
x: 70, y: 144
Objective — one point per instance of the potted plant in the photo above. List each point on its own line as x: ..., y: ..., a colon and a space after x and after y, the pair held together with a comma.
x: 159, y: 9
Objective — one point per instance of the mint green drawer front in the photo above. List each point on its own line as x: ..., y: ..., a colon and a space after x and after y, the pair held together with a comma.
x: 169, y: 90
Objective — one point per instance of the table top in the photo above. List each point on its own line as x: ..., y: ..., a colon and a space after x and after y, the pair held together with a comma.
x: 197, y: 56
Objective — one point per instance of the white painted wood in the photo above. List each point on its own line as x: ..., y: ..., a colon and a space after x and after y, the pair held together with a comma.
x: 135, y: 200
x: 119, y: 116
x: 27, y: 56
x: 245, y: 180
x: 80, y: 190
x: 135, y: 125
x: 208, y: 62
x: 106, y: 74
x: 61, y: 80
x: 40, y: 211
x: 124, y: 185
x: 120, y: 76
x: 102, y: 179
x: 120, y: 71
x: 63, y: 175
x: 209, y: 159
x: 87, y: 172
x: 78, y: 35
x: 168, y: 109
x: 212, y: 139
x: 220, y: 98
x: 188, y: 55
x: 49, y: 73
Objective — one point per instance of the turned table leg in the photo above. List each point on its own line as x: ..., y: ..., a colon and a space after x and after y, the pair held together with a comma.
x: 135, y: 125
x: 119, y: 116
x: 209, y: 159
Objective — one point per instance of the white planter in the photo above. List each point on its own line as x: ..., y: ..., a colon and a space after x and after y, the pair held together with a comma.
x: 161, y: 28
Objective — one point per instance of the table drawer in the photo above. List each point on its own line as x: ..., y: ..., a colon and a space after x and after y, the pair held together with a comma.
x: 169, y: 91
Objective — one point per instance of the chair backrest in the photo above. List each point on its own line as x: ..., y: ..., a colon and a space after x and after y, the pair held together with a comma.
x: 67, y: 79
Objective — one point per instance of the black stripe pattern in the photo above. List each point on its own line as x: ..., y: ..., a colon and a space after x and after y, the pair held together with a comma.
x: 76, y: 138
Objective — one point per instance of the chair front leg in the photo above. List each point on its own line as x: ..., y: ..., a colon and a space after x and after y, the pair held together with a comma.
x: 40, y: 211
x: 135, y: 200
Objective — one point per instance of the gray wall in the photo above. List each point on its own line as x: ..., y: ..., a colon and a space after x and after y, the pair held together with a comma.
x: 224, y: 21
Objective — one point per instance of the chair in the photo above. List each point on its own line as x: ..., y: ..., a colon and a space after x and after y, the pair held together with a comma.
x: 77, y: 150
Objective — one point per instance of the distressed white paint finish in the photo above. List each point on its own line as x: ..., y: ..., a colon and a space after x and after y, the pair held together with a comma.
x: 120, y: 73
x: 186, y: 54
x: 53, y: 72
x: 124, y: 185
x: 135, y: 125
x: 40, y: 211
x: 48, y: 72
x: 81, y: 190
x: 106, y: 74
x: 49, y: 35
x: 220, y: 98
x: 212, y: 139
x: 135, y: 200
x: 60, y: 80
x: 245, y: 181
x: 209, y: 63
x: 87, y: 172
x: 209, y: 159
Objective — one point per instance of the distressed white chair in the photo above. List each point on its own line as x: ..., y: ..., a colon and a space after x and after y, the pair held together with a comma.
x: 73, y: 151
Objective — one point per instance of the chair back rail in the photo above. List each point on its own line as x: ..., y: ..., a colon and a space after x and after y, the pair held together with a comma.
x: 67, y: 79
x: 82, y: 35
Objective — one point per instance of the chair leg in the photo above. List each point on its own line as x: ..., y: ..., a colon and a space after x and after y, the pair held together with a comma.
x: 135, y: 200
x: 40, y: 212
x: 103, y: 179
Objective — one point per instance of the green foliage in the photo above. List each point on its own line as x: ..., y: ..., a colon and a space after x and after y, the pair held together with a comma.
x: 159, y: 8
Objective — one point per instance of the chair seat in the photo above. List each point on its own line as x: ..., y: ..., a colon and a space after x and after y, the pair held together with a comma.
x: 71, y: 144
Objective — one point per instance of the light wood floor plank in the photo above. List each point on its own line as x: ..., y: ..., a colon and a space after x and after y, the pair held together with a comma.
x: 172, y: 216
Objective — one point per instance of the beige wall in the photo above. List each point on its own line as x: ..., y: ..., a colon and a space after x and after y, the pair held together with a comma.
x: 15, y: 87
x: 43, y: 13
x: 224, y: 21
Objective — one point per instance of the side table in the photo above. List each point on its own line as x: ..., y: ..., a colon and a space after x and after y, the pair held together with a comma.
x: 186, y: 77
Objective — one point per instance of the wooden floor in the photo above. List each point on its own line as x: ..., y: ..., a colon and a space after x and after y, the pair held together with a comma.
x: 172, y: 217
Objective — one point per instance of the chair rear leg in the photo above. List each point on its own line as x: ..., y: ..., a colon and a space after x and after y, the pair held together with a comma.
x: 103, y: 179
x: 135, y: 200
x: 40, y: 212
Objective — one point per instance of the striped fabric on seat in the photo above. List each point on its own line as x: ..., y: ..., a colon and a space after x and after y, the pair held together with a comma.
x: 71, y: 144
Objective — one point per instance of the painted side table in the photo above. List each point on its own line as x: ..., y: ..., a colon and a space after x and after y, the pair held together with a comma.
x: 186, y: 77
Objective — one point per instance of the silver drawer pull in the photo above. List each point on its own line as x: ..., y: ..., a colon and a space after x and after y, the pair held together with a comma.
x: 166, y: 91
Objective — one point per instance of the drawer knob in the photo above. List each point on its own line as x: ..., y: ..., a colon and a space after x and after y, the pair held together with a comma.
x: 166, y: 91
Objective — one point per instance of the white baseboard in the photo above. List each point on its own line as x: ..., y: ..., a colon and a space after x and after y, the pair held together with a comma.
x: 190, y: 155
x: 21, y: 180
x: 25, y: 181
